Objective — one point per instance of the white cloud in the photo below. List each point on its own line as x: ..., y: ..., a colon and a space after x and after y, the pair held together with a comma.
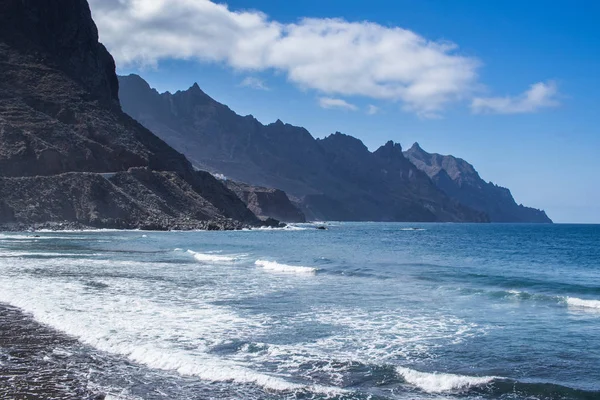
x: 329, y: 102
x: 254, y: 83
x: 540, y: 95
x: 372, y: 110
x: 332, y: 56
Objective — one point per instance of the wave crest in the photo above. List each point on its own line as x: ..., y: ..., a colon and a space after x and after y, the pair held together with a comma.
x: 284, y: 268
x: 215, y: 258
x: 439, y: 382
x: 581, y: 303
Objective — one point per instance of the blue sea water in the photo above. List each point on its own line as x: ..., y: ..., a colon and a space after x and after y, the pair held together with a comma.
x: 360, y: 311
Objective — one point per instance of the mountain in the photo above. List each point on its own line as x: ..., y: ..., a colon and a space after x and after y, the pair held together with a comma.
x: 459, y: 180
x: 336, y: 178
x: 69, y: 157
x: 267, y: 202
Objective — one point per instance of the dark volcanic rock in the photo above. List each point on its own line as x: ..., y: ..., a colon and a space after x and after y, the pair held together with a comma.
x: 266, y: 202
x: 459, y: 180
x: 137, y: 199
x: 61, y: 127
x: 336, y: 178
x: 61, y: 35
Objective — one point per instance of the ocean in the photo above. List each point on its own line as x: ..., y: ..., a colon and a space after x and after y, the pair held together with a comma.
x: 358, y: 311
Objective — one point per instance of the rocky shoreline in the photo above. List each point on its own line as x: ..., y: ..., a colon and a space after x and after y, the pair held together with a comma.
x: 165, y: 225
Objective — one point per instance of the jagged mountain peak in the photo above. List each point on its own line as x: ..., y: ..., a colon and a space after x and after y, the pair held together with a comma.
x: 391, y: 148
x: 196, y: 92
x: 432, y: 163
x: 340, y: 142
x: 416, y: 147
x: 342, y: 138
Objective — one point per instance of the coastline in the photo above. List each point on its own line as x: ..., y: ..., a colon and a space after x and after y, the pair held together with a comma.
x: 25, y: 342
x: 210, y: 225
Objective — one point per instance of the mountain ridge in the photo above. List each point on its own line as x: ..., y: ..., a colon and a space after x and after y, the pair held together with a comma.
x: 322, y: 176
x: 461, y: 181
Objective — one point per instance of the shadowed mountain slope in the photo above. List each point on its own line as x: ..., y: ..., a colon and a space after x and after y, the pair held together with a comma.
x: 336, y: 178
x: 267, y: 202
x: 459, y: 180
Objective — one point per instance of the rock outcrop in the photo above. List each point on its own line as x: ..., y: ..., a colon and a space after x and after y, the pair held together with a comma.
x: 267, y: 202
x: 69, y: 155
x: 459, y: 180
x: 336, y: 178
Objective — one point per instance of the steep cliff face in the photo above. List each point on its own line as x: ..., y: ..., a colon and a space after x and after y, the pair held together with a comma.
x: 62, y: 36
x: 267, y: 202
x: 336, y: 178
x: 62, y: 130
x: 459, y: 180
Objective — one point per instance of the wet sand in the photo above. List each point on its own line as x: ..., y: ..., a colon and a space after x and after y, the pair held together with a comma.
x: 36, y: 361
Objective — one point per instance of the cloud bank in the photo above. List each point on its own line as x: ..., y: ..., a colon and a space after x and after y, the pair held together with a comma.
x: 334, y: 57
x: 540, y: 95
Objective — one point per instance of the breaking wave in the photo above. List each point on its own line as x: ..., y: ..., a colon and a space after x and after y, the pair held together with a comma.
x: 439, y: 382
x: 581, y: 303
x: 284, y: 268
x: 215, y: 258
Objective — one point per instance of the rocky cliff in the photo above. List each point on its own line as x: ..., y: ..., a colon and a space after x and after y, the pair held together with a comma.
x: 267, y: 202
x: 336, y: 178
x: 68, y: 154
x: 459, y: 180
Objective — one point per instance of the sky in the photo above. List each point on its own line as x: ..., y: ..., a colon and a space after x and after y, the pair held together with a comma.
x: 510, y: 86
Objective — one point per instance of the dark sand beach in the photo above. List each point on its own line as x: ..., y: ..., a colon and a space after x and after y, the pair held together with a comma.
x: 36, y: 362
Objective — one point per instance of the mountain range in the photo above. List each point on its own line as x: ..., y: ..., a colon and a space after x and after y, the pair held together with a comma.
x: 335, y: 178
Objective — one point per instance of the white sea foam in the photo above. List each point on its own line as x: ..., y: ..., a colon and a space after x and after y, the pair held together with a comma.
x: 291, y: 227
x: 147, y: 317
x: 581, y: 303
x: 288, y: 227
x: 359, y: 335
x: 85, y: 230
x: 214, y: 258
x: 212, y: 369
x: 115, y: 394
x: 120, y: 396
x: 438, y: 382
x: 17, y: 254
x: 284, y: 268
x: 161, y: 336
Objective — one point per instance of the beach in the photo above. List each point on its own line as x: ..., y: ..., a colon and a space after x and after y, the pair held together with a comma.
x: 36, y: 362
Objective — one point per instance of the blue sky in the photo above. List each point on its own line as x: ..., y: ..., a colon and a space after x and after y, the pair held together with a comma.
x: 543, y: 147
